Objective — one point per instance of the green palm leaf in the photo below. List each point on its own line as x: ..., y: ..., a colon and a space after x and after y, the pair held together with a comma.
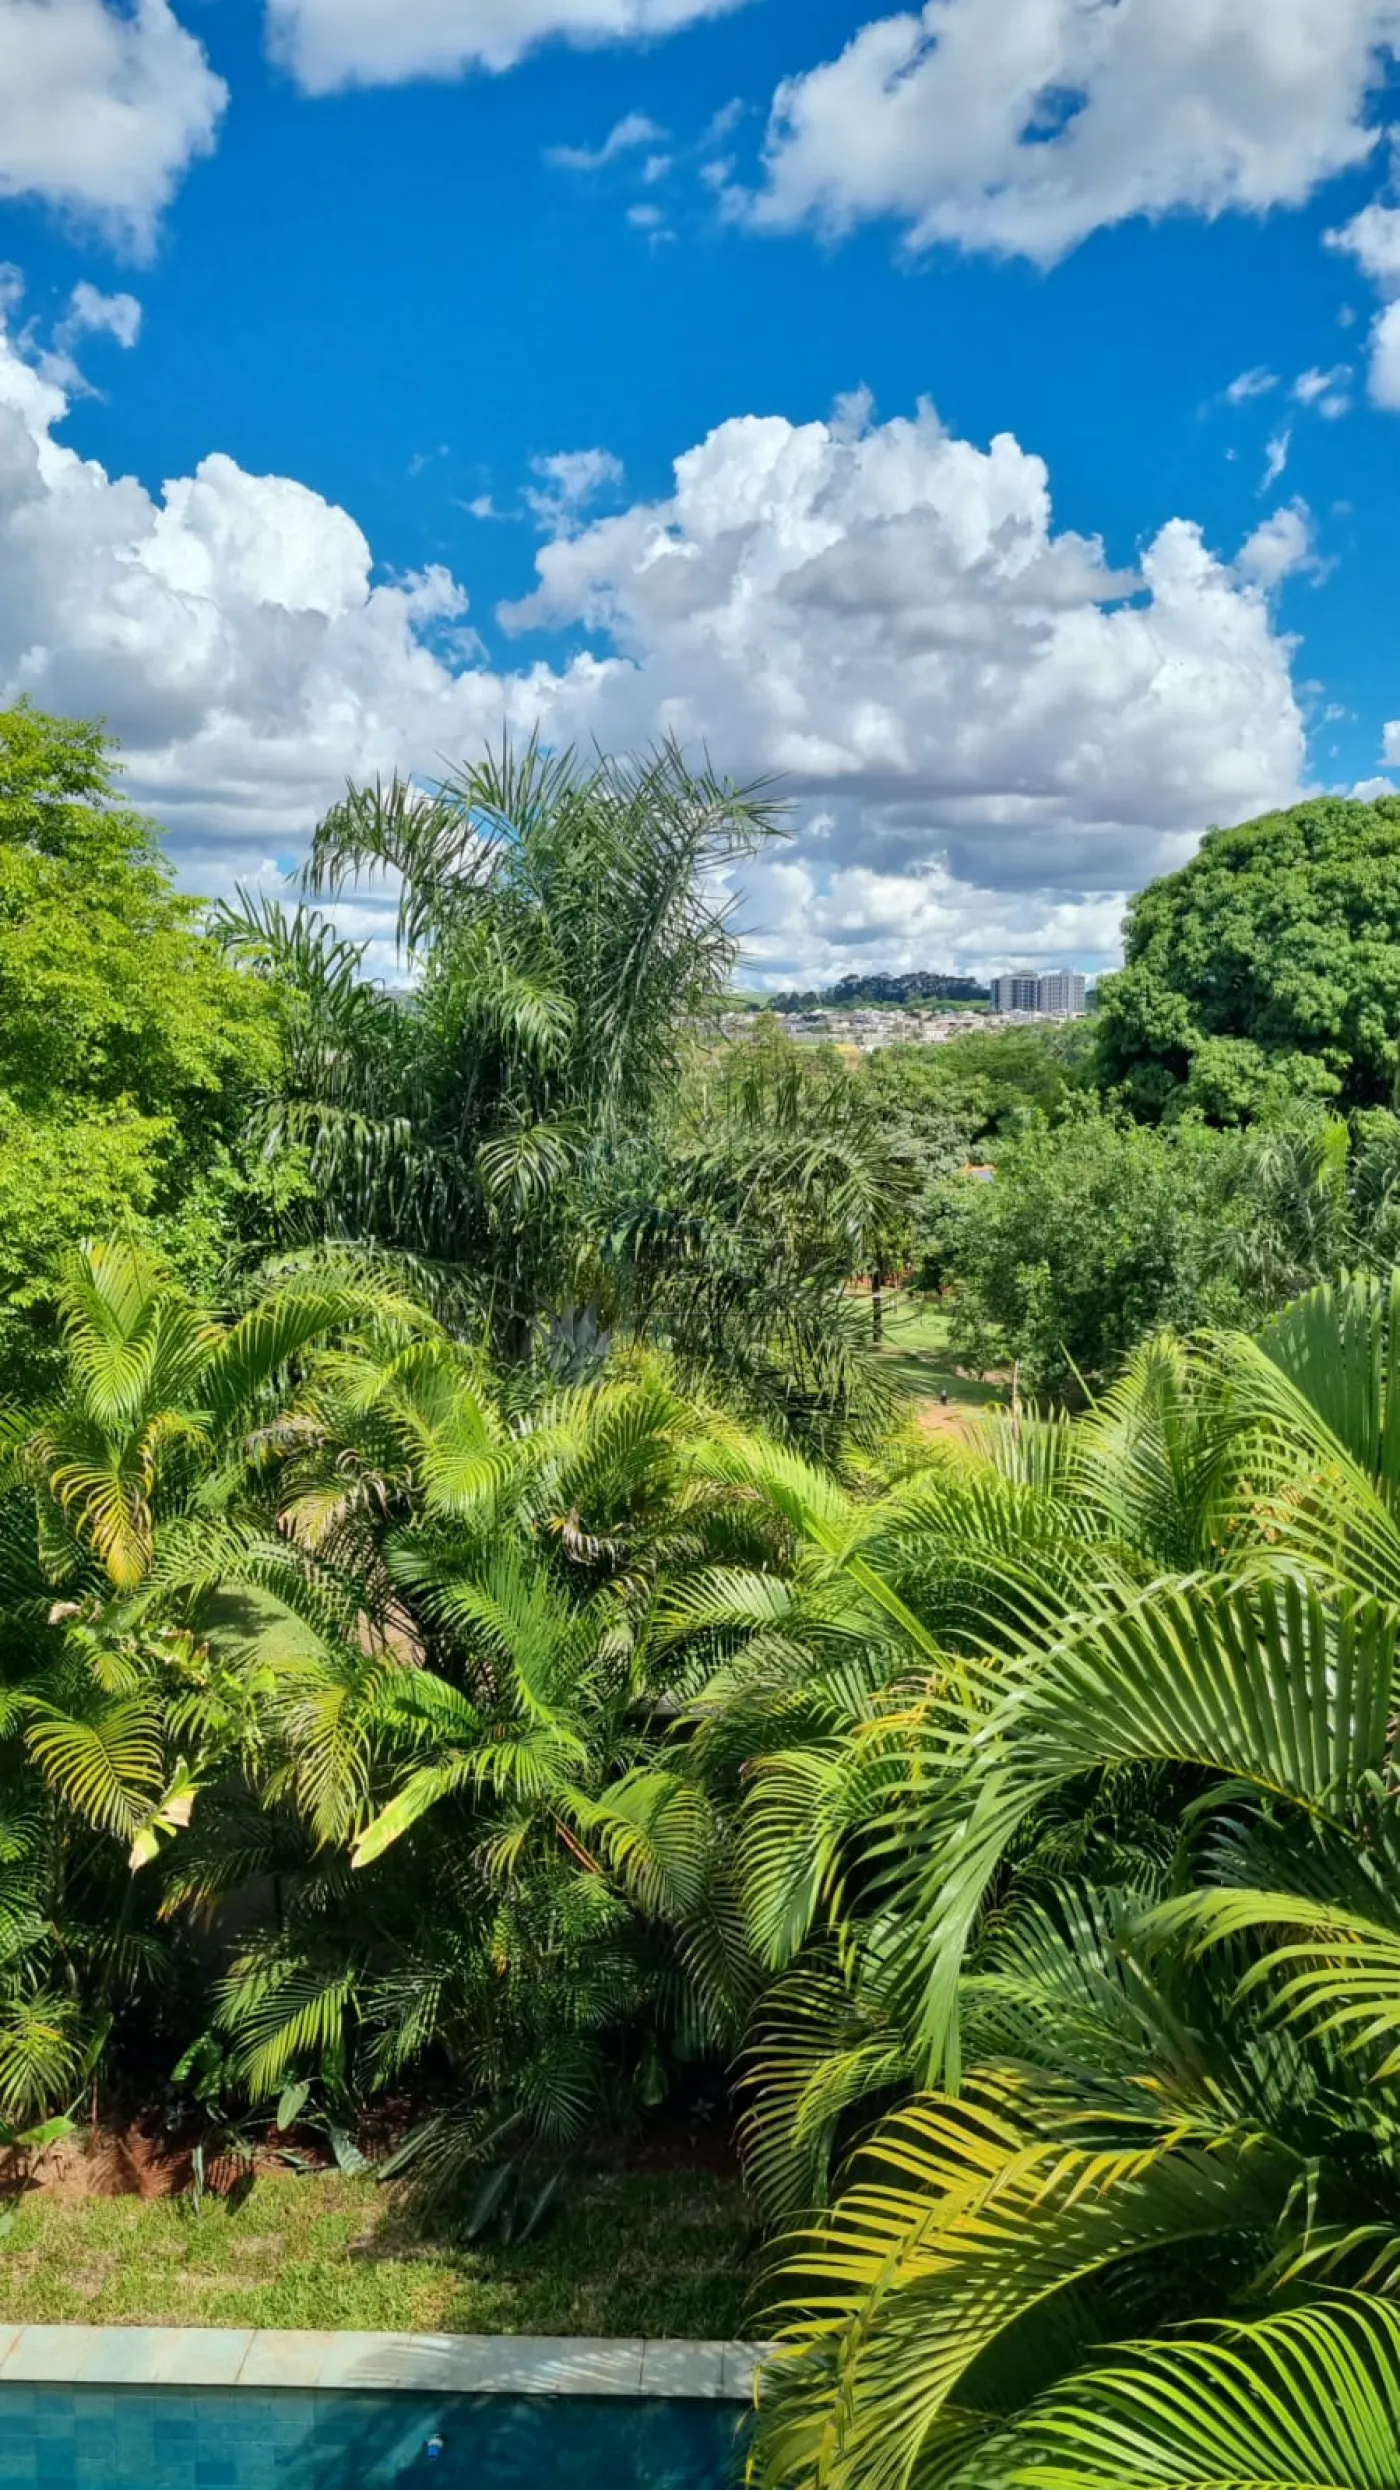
x: 1305, y: 2401
x: 970, y: 2224
x: 1339, y: 1977
x: 1264, y: 1682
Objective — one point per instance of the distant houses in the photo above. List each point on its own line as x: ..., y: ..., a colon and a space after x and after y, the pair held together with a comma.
x: 819, y: 1022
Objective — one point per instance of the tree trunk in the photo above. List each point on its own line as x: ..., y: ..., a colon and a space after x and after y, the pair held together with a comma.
x: 877, y: 1307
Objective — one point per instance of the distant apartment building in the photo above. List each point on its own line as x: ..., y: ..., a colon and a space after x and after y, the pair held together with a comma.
x: 1060, y: 996
x: 1015, y: 993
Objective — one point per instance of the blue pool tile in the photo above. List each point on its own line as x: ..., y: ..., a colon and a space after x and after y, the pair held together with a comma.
x: 220, y: 2438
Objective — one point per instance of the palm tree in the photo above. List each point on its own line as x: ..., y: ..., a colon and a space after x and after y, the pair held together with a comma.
x: 779, y: 1182
x: 520, y: 1897
x: 153, y: 1621
x: 564, y: 922
x: 1164, y: 2076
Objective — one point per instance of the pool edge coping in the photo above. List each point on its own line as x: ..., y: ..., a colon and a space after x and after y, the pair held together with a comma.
x: 643, y: 2368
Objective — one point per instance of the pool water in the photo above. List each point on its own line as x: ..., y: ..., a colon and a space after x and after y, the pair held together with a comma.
x: 210, y: 2438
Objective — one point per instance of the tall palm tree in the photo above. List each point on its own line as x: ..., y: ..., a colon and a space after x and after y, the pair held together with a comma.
x: 564, y: 921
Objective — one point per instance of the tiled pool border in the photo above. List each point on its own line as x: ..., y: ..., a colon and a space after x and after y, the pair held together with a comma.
x: 446, y: 2364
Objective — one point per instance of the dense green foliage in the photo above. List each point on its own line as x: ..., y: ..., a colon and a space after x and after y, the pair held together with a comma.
x: 1095, y: 1232
x: 981, y: 1086
x: 483, y: 1640
x: 127, y: 1045
x: 1266, y: 971
x: 911, y: 985
x: 1114, y: 1865
x: 1098, y: 1230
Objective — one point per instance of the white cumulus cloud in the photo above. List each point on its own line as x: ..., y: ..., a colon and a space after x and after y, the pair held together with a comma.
x: 91, y: 313
x: 892, y: 622
x: 988, y: 732
x: 1279, y: 546
x: 101, y: 108
x: 337, y: 43
x: 1021, y: 126
x: 1373, y: 240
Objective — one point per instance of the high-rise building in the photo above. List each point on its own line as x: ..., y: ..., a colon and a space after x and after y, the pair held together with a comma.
x: 1016, y: 993
x: 1060, y: 995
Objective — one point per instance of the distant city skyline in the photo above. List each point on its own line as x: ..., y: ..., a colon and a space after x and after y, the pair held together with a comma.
x: 878, y: 986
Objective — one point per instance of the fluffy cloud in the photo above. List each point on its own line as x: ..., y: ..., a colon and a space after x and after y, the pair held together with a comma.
x: 1327, y: 391
x: 889, y: 619
x: 1023, y: 125
x: 988, y: 733
x: 826, y: 926
x: 1279, y: 546
x: 1373, y: 240
x: 90, y: 313
x: 567, y: 481
x: 101, y: 108
x: 337, y: 43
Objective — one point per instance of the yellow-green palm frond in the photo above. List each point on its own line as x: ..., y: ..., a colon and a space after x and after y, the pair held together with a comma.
x: 1324, y: 1969
x: 1308, y: 2400
x: 1262, y: 1681
x: 283, y: 2013
x: 107, y: 1764
x: 965, y: 2240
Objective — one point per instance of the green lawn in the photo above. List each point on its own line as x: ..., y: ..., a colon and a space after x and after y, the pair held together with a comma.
x: 627, y: 2254
x: 915, y: 1347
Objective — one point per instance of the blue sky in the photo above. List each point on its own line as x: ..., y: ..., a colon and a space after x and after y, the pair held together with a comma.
x: 351, y: 350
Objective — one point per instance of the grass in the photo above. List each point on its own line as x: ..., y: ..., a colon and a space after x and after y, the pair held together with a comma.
x: 915, y: 1347
x: 627, y: 2254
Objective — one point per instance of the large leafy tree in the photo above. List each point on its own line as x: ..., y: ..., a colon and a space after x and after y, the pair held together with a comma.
x: 978, y: 1086
x: 1094, y: 1232
x: 1096, y: 1229
x: 127, y: 1042
x: 1266, y: 970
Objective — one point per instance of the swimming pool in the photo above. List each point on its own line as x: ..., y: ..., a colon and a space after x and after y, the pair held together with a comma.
x: 239, y: 2438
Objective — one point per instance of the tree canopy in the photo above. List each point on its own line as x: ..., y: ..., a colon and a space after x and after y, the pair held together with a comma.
x: 127, y: 1041
x: 1266, y: 971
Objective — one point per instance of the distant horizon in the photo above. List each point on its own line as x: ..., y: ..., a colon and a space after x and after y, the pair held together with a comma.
x: 949, y: 975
